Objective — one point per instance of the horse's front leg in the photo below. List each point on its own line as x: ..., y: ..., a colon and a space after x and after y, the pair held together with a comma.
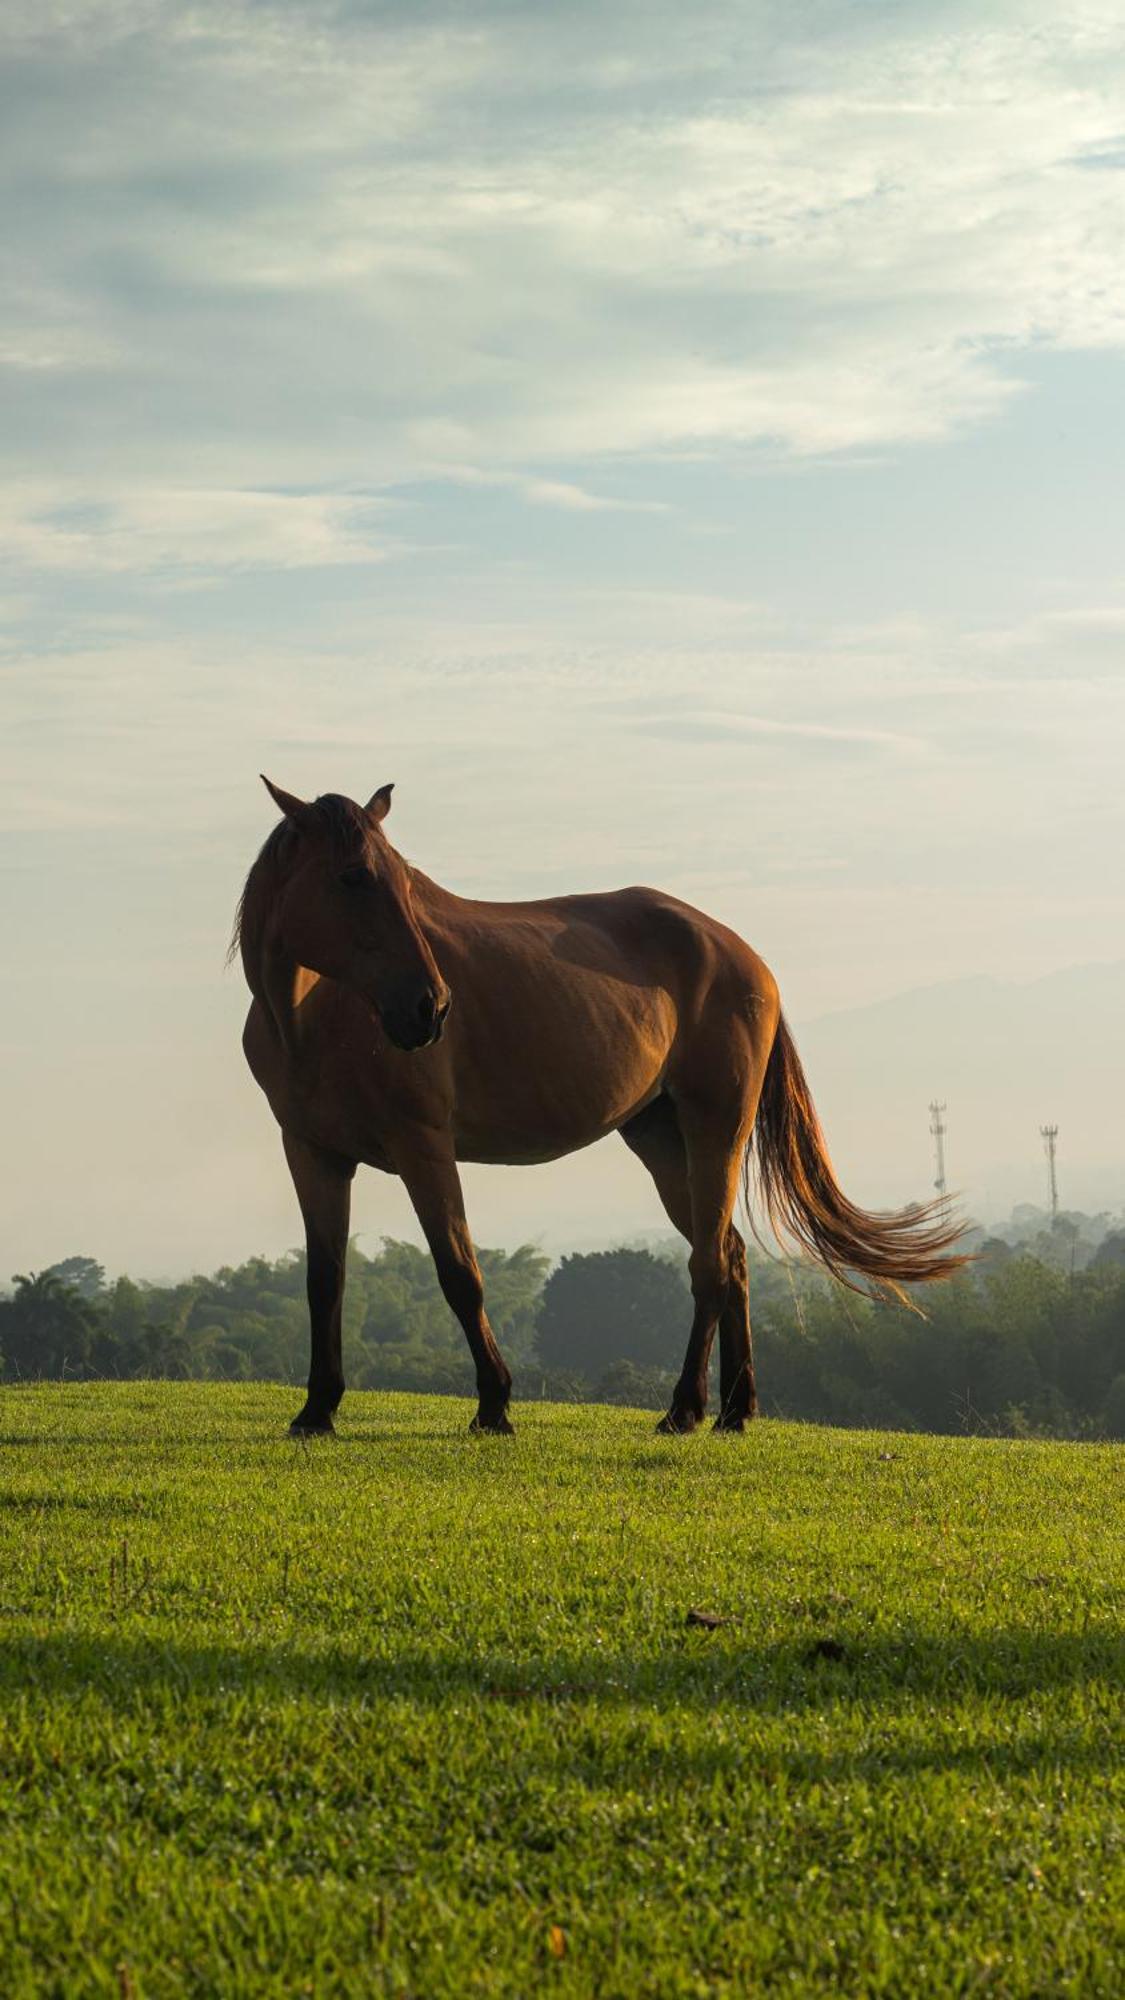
x: 324, y: 1190
x: 434, y: 1187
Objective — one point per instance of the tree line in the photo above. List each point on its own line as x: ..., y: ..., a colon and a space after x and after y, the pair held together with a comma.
x: 1029, y: 1341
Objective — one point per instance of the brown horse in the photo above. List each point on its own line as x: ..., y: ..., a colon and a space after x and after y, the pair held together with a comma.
x: 574, y: 1017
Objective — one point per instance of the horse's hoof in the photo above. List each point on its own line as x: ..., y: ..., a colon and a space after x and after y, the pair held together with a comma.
x: 732, y: 1424
x: 316, y: 1427
x: 678, y: 1423
x: 492, y: 1426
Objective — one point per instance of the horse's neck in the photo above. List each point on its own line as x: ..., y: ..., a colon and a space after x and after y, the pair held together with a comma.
x: 274, y: 977
x: 431, y: 894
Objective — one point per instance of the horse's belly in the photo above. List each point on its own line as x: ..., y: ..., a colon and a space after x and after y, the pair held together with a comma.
x: 515, y: 1148
x: 553, y: 1115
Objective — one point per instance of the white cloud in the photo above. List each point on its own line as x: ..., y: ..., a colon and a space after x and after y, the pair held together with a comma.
x: 1068, y: 643
x: 578, y: 500
x: 706, y: 725
x: 306, y: 248
x: 562, y: 493
x: 162, y: 530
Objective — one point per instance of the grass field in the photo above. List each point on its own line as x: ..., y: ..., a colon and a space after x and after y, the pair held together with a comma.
x: 417, y: 1713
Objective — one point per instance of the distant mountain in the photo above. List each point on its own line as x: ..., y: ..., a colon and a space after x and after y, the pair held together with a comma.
x: 1006, y: 1058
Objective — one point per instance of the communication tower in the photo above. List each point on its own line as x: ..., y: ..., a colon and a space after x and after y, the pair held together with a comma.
x: 1049, y: 1134
x: 937, y: 1132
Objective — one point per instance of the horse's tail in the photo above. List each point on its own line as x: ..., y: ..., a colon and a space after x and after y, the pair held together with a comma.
x: 803, y: 1201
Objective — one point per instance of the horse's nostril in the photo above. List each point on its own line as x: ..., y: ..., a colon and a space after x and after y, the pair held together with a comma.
x: 430, y: 1011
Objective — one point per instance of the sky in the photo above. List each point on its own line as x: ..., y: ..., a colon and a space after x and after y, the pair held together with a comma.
x: 671, y: 445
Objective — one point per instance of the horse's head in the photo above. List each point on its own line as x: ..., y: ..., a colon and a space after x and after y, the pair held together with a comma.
x: 343, y: 908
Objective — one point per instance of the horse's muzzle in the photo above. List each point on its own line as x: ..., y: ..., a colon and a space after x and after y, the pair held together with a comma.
x: 420, y: 1026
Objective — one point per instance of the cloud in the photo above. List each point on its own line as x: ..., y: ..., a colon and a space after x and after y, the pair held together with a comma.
x: 1069, y: 643
x: 562, y: 493
x: 578, y: 500
x: 170, y: 530
x: 313, y: 248
x: 716, y: 726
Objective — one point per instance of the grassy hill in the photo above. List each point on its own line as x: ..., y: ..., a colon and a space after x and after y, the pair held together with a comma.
x: 422, y: 1714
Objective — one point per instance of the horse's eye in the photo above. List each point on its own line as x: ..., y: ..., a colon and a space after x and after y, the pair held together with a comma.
x: 356, y: 876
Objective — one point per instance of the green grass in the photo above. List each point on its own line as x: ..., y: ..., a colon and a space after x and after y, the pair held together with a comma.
x: 420, y: 1714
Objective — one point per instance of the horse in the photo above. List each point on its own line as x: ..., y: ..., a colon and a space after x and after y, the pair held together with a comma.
x: 397, y: 1025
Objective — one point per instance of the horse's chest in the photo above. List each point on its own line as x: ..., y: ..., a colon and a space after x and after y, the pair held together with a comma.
x: 340, y: 1113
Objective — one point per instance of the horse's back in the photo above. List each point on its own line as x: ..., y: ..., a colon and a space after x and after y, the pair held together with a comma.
x: 653, y: 938
x: 637, y: 933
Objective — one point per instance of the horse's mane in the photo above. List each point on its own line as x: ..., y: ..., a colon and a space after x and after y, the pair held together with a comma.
x: 349, y: 832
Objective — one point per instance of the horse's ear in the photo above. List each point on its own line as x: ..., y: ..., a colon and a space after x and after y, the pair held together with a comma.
x: 294, y: 809
x: 379, y: 804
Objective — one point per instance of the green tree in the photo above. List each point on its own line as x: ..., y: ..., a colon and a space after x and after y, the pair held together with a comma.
x: 613, y: 1305
x: 83, y: 1275
x: 1113, y: 1413
x: 399, y: 1331
x: 46, y: 1328
x: 638, y: 1388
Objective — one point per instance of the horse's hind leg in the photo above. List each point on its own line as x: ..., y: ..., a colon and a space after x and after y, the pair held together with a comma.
x: 738, y: 1395
x: 713, y: 1157
x: 655, y: 1137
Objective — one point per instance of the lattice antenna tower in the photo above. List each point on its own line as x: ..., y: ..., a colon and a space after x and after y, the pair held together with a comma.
x: 937, y: 1133
x: 1049, y: 1135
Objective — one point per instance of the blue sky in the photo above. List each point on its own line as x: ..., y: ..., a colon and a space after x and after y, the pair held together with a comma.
x: 676, y: 447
